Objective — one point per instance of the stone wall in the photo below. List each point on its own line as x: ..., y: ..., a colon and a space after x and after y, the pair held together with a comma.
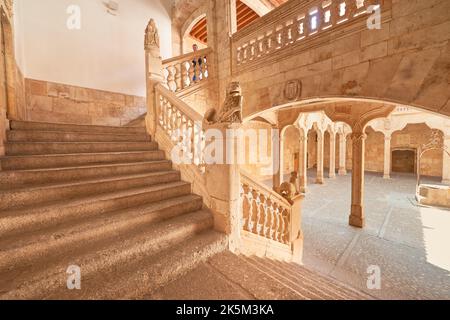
x: 201, y: 99
x: 54, y: 102
x: 291, y: 147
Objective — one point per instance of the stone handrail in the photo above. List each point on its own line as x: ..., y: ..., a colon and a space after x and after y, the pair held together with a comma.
x: 291, y: 24
x: 188, y: 70
x: 173, y: 114
x: 267, y: 214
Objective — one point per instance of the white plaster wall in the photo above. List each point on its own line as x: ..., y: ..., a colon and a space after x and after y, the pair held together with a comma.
x: 107, y: 53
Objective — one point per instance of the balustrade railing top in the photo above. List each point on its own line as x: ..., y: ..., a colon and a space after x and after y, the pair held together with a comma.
x: 292, y: 23
x: 187, y: 70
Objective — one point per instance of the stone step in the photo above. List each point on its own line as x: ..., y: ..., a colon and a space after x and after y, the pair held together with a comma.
x: 317, y: 287
x: 138, y: 280
x: 60, y: 127
x: 31, y: 196
x: 55, y: 136
x: 79, y: 159
x: 22, y: 178
x: 40, y: 148
x: 257, y: 283
x: 22, y: 249
x: 20, y: 221
x: 349, y: 292
x: 107, y: 262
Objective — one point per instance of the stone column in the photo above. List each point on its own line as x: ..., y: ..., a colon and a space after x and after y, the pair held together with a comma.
x: 342, y: 154
x: 357, y: 210
x: 277, y: 154
x: 387, y: 156
x: 223, y: 185
x: 332, y: 173
x: 303, y: 171
x: 319, y: 177
x: 446, y: 161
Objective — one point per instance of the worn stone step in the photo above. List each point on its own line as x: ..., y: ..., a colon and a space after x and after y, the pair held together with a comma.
x: 256, y: 282
x: 31, y: 196
x: 36, y: 148
x: 22, y: 178
x: 349, y: 292
x: 39, y: 217
x: 138, y: 280
x: 61, y: 127
x: 300, y: 282
x: 77, y: 159
x: 106, y: 263
x: 56, y: 136
x: 22, y: 249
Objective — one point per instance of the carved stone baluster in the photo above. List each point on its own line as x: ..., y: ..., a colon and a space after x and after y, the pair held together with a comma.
x: 239, y: 55
x: 326, y: 16
x: 257, y: 226
x: 246, y: 206
x: 205, y: 67
x: 171, y: 78
x: 196, y: 69
x: 191, y: 137
x: 201, y: 68
x: 266, y: 220
x: 161, y: 111
x: 178, y: 77
x: 276, y: 226
x: 191, y: 73
x: 184, y: 75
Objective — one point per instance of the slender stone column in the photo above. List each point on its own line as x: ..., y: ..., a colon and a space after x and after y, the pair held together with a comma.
x: 332, y: 168
x: 277, y: 153
x: 356, y: 218
x: 446, y: 161
x: 319, y: 178
x: 303, y: 172
x: 342, y: 154
x: 387, y: 156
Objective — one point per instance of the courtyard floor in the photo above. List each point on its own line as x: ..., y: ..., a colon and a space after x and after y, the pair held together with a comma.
x: 410, y: 244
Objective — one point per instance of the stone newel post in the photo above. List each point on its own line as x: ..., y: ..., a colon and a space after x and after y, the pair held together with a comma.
x: 223, y: 184
x: 295, y: 233
x: 153, y: 73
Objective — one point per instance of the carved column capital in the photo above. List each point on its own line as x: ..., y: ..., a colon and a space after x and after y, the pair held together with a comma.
x: 358, y: 136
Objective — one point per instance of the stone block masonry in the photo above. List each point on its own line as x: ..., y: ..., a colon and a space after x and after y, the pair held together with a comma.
x: 55, y: 102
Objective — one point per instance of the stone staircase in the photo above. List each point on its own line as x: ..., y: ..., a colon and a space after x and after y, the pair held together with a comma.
x: 106, y: 200
x: 101, y: 198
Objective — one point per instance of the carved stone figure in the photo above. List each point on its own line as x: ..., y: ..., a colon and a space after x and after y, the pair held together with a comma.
x: 151, y: 35
x: 287, y: 191
x: 231, y: 111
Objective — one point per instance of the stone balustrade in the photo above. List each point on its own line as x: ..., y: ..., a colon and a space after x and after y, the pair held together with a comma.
x: 293, y: 23
x: 188, y: 70
x: 268, y: 215
x: 177, y: 119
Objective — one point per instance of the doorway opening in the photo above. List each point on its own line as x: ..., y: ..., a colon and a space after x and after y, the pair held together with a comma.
x: 404, y: 161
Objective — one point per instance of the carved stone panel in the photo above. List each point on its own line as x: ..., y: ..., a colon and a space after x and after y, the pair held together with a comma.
x: 293, y: 90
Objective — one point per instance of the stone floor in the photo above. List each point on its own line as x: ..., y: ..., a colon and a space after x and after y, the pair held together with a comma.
x: 409, y: 243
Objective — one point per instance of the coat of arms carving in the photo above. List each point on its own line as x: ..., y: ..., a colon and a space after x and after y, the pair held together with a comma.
x: 293, y: 90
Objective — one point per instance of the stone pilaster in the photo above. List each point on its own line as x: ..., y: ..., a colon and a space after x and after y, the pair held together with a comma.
x: 342, y: 154
x: 320, y: 147
x: 387, y: 156
x: 357, y: 210
x: 332, y: 168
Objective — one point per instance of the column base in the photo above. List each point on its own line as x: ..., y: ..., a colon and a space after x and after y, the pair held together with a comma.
x: 319, y: 181
x: 332, y: 175
x: 342, y: 172
x: 302, y: 190
x: 446, y: 181
x: 356, y: 218
x: 386, y: 176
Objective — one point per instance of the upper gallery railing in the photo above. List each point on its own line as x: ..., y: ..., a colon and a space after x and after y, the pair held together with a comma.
x: 187, y: 70
x: 293, y: 23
